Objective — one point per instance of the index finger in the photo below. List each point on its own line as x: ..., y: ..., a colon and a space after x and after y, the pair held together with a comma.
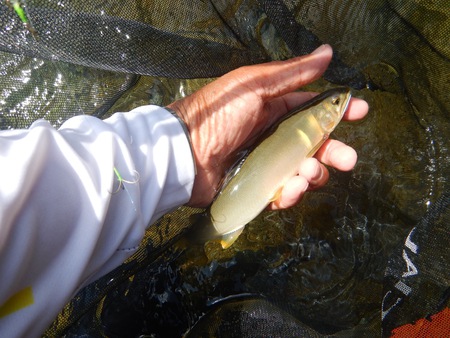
x: 357, y: 109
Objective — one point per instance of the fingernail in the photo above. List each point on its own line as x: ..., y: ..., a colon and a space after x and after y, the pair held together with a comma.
x: 320, y: 49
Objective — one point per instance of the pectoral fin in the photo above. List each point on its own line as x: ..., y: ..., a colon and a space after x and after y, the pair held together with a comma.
x: 228, y: 239
x: 277, y: 194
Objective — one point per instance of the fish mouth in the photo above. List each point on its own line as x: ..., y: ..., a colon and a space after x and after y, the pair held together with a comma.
x: 348, y: 96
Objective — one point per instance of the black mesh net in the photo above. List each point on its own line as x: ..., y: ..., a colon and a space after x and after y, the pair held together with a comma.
x: 335, y: 264
x: 135, y: 37
x: 418, y: 272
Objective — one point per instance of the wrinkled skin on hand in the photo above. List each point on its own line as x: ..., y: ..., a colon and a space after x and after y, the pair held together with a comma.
x: 228, y: 114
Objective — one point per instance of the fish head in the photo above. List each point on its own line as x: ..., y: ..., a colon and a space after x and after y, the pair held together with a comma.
x: 335, y: 104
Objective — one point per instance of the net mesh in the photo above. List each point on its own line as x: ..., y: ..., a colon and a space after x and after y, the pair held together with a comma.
x: 335, y: 264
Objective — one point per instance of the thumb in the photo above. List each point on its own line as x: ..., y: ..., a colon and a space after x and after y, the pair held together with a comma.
x: 276, y: 78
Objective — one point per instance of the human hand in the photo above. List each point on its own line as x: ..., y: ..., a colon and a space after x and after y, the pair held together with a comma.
x: 228, y: 114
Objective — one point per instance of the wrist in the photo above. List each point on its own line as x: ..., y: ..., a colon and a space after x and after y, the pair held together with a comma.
x: 205, y: 183
x: 187, y: 133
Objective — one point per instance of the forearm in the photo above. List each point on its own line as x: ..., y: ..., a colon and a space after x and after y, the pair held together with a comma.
x: 66, y: 216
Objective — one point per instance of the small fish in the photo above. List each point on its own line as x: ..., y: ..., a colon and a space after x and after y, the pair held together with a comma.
x: 259, y: 178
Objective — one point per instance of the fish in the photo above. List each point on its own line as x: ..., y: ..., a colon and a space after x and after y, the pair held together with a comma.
x: 259, y: 177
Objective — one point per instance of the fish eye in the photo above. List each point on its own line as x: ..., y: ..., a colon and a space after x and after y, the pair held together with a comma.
x: 336, y: 100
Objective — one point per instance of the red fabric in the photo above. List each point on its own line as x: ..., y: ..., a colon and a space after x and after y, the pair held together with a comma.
x: 437, y: 327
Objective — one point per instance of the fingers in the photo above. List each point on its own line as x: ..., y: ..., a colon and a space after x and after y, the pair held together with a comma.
x: 291, y: 194
x: 314, y: 172
x: 337, y: 154
x: 357, y: 109
x: 313, y: 175
x: 273, y: 79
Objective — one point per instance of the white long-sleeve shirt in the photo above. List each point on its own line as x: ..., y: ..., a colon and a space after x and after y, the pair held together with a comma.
x: 65, y: 217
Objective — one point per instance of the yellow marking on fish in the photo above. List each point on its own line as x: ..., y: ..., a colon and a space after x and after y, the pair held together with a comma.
x: 18, y: 301
x: 305, y: 139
